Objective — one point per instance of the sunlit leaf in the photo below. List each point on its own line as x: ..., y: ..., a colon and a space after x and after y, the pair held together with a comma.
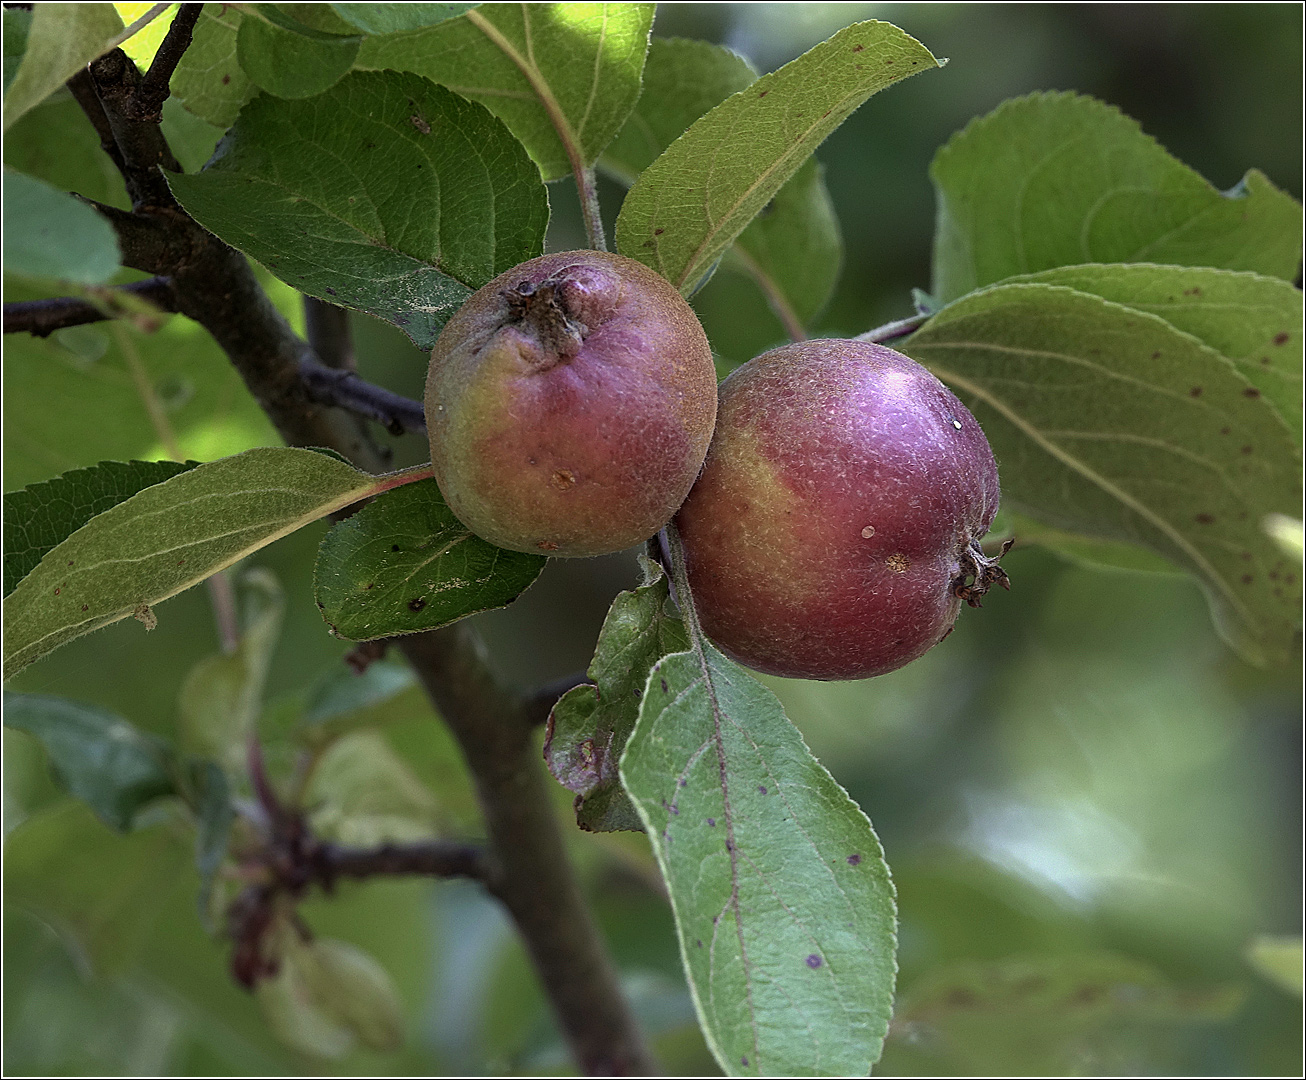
x: 563, y: 77
x: 690, y: 204
x: 167, y: 538
x: 209, y: 80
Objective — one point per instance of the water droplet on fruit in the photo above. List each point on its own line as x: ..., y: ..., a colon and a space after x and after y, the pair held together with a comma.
x: 868, y: 532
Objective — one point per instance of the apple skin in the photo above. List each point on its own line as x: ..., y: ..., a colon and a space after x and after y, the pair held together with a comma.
x: 569, y: 404
x: 835, y: 529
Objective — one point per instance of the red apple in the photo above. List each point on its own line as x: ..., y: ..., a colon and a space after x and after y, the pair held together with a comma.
x: 835, y: 529
x: 569, y: 404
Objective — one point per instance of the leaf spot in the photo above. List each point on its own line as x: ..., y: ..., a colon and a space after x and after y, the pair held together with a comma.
x: 1251, y: 392
x: 854, y: 859
x: 761, y: 789
x: 1204, y: 519
x: 1281, y: 338
x: 813, y: 961
x: 1196, y: 391
x: 416, y: 604
x: 712, y: 822
x: 1156, y: 355
x: 1247, y: 579
x: 664, y: 686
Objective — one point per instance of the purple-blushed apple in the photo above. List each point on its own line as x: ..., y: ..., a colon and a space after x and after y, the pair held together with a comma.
x: 835, y: 530
x: 569, y: 404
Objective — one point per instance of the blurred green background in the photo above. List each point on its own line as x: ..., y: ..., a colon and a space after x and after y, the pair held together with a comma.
x: 1090, y: 806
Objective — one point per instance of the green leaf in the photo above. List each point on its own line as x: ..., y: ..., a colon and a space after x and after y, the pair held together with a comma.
x: 49, y: 234
x: 17, y: 25
x: 364, y: 794
x: 386, y: 194
x: 1060, y: 179
x: 404, y: 563
x: 1111, y: 423
x: 589, y: 725
x: 98, y: 756
x: 792, y: 250
x: 683, y: 79
x: 690, y: 204
x: 167, y: 538
x: 397, y: 18
x: 209, y: 80
x: 210, y: 799
x: 40, y: 516
x: 563, y: 77
x: 783, y: 903
x: 287, y: 58
x: 1255, y: 321
x: 223, y: 694
x: 1048, y: 1015
x: 62, y: 39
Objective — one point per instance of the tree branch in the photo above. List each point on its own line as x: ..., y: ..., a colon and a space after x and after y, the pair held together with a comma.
x: 154, y: 88
x: 345, y: 390
x: 40, y: 318
x: 435, y: 858
x: 534, y: 877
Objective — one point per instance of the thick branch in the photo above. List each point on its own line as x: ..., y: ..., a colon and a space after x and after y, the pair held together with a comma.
x: 536, y: 881
x: 40, y: 318
x: 142, y: 149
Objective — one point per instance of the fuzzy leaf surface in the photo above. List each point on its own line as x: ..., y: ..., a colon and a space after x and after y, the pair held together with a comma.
x: 1058, y: 179
x: 683, y: 79
x: 287, y: 58
x: 38, y: 517
x: 563, y: 77
x: 61, y: 39
x: 386, y: 193
x: 167, y: 538
x: 397, y: 18
x: 690, y: 204
x: 589, y: 725
x: 1110, y: 422
x: 792, y: 249
x: 1253, y: 320
x: 404, y: 563
x: 783, y: 904
x: 100, y: 758
x: 49, y: 234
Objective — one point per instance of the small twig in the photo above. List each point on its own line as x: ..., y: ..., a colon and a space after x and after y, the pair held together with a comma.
x: 588, y: 189
x: 433, y: 858
x: 222, y: 597
x: 345, y: 390
x: 40, y: 318
x: 895, y: 329
x: 147, y: 104
x: 143, y: 151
